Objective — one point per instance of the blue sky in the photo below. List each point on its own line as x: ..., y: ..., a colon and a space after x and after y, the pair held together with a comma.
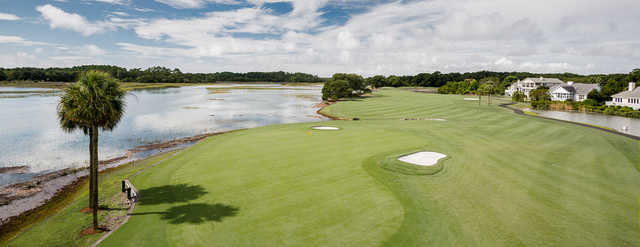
x: 325, y: 36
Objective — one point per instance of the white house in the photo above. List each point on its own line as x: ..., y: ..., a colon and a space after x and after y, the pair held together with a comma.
x: 572, y: 91
x: 630, y: 98
x: 530, y: 84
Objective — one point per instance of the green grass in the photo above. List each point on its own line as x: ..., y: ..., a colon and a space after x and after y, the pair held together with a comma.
x: 255, y: 88
x: 64, y: 226
x: 510, y: 180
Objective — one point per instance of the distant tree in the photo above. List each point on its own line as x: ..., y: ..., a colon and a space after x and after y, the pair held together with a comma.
x: 518, y: 97
x: 336, y: 89
x: 3, y: 75
x: 596, y: 96
x: 540, y: 98
x: 634, y: 76
x: 356, y: 82
x: 510, y: 79
x: 613, y: 86
x: 486, y: 89
x: 500, y: 87
x: 376, y: 81
x: 472, y: 86
x: 94, y: 102
x: 394, y: 81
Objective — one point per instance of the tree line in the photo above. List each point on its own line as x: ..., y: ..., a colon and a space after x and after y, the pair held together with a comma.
x: 610, y: 83
x: 150, y: 75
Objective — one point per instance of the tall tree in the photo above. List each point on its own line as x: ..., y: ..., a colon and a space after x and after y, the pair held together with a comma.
x: 356, y: 82
x: 94, y: 102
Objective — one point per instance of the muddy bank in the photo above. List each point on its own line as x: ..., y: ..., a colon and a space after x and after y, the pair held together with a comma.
x: 14, y: 169
x: 173, y: 143
x: 19, y: 198
x: 27, y: 189
x: 322, y: 105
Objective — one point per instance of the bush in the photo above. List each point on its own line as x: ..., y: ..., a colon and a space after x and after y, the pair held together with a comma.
x: 518, y: 97
x: 460, y: 87
x: 596, y: 96
x: 540, y: 104
x: 540, y: 98
x: 336, y: 89
x: 590, y: 102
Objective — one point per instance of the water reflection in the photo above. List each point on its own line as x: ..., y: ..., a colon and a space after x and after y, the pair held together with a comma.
x: 622, y: 124
x: 30, y: 135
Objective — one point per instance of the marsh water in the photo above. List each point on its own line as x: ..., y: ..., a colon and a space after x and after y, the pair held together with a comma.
x: 30, y: 134
x: 621, y: 124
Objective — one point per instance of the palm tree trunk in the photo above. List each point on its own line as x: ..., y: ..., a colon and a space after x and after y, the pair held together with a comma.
x: 93, y: 174
x: 91, y: 144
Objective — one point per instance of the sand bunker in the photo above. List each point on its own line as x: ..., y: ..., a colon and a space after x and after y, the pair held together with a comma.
x: 476, y: 99
x: 324, y: 128
x: 422, y: 158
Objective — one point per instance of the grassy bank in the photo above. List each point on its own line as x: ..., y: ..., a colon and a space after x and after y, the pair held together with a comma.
x: 60, y: 222
x: 509, y: 180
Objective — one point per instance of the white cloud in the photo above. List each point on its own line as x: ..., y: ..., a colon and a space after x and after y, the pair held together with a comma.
x: 118, y: 2
x: 120, y: 13
x: 403, y: 37
x: 58, y: 18
x: 8, y: 17
x: 18, y: 40
x: 143, y: 9
x: 93, y: 50
x: 190, y: 4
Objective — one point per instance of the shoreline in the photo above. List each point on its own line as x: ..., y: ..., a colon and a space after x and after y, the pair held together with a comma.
x: 322, y: 105
x: 521, y: 112
x: 22, y: 199
x: 24, y: 203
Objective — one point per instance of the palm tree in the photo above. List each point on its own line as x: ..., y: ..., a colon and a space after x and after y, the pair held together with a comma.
x: 94, y: 102
x: 490, y: 90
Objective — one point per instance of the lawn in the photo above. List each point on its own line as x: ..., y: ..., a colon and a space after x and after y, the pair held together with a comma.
x: 509, y: 180
x: 64, y: 226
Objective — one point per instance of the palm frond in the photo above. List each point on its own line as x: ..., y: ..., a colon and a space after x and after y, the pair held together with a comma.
x: 95, y: 100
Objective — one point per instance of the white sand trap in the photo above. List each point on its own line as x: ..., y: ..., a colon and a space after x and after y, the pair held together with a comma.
x: 324, y: 128
x: 476, y: 99
x: 422, y: 158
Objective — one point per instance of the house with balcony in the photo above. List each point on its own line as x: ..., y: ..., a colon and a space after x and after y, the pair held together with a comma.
x: 572, y: 91
x: 630, y: 98
x: 529, y: 84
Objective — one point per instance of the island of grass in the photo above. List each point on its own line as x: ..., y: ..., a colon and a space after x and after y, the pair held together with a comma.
x: 511, y: 180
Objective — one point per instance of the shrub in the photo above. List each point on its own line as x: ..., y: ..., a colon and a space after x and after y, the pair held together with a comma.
x: 336, y: 89
x: 518, y: 97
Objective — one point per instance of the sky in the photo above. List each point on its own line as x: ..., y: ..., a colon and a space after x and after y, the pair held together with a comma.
x: 323, y: 37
